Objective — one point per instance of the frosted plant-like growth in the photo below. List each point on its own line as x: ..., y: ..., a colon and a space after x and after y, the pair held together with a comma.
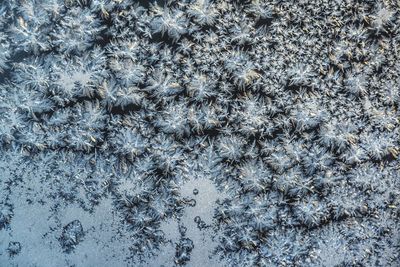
x: 199, y: 133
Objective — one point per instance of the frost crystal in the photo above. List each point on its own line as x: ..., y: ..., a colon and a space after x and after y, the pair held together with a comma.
x: 199, y: 133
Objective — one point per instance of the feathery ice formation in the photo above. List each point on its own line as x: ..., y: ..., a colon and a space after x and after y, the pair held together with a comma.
x: 199, y: 133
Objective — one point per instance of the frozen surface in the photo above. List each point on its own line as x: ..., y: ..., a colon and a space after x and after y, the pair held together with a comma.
x: 200, y: 133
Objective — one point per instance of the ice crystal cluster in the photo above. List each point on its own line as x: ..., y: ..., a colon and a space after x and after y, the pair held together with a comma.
x: 199, y: 133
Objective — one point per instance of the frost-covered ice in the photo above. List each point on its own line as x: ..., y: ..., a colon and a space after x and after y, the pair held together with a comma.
x: 199, y: 133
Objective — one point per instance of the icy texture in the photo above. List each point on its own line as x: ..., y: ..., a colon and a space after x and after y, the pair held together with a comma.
x: 199, y: 133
